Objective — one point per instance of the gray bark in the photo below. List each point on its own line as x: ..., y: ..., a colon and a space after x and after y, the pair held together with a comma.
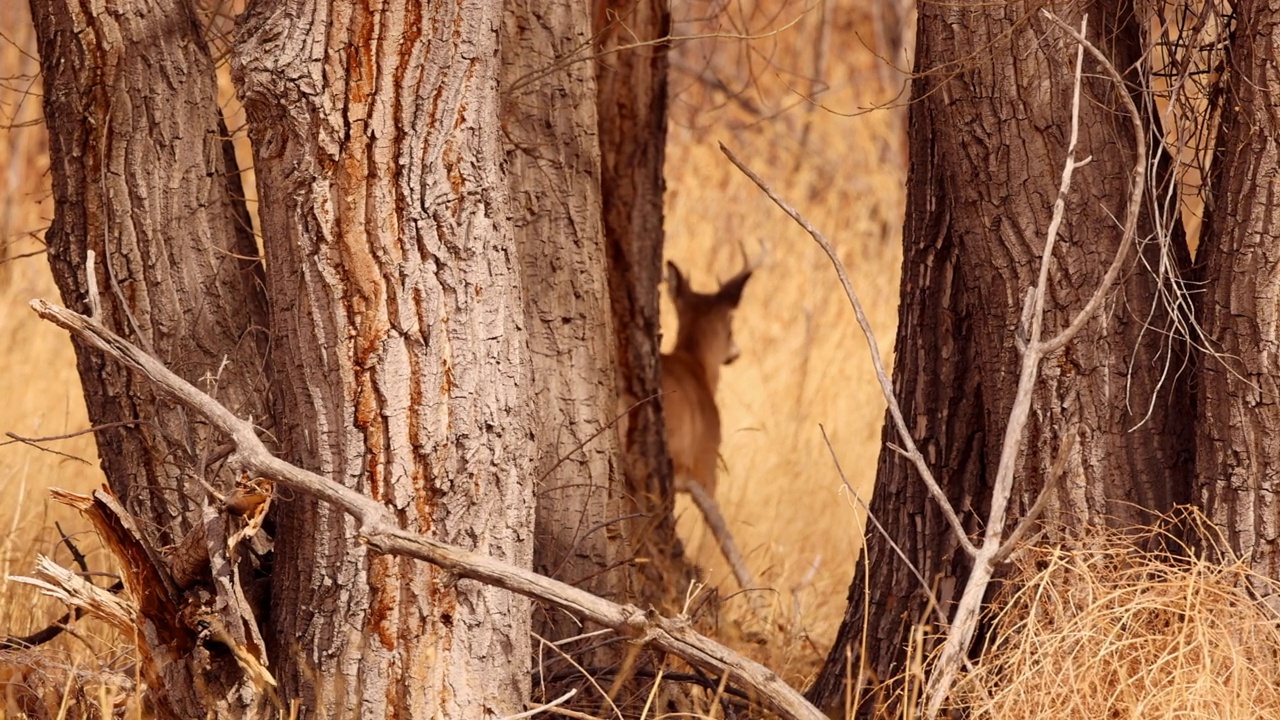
x: 398, y: 347
x: 553, y: 162
x: 1238, y: 435
x: 144, y: 177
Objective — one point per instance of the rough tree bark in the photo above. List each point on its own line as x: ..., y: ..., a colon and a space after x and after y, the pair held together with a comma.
x: 144, y: 176
x: 553, y: 164
x: 632, y: 86
x: 971, y: 251
x: 1238, y: 434
x: 398, y: 347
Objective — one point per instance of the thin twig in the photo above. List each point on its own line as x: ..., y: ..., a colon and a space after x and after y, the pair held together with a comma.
x: 1136, y: 191
x: 544, y: 706
x: 706, y: 502
x: 41, y: 448
x: 911, y: 452
x: 924, y: 585
x: 1029, y: 520
x: 964, y: 622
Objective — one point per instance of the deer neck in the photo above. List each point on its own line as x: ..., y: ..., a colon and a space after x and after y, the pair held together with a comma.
x: 703, y: 357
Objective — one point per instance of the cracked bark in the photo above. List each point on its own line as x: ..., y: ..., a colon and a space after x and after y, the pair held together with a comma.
x: 971, y: 251
x: 398, y: 348
x: 1238, y: 436
x: 145, y: 178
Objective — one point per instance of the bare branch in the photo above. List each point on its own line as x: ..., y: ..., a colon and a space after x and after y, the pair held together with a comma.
x: 875, y: 522
x: 63, y: 584
x: 965, y: 620
x: 968, y: 609
x: 379, y: 529
x: 544, y: 706
x: 720, y: 530
x: 1029, y: 520
x: 911, y: 452
x: 1130, y: 230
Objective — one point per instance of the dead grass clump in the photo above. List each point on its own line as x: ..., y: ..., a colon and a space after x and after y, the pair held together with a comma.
x: 1110, y: 630
x: 43, y: 683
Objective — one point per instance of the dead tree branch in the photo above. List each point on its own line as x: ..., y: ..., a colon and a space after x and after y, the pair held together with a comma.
x: 720, y: 530
x: 379, y: 529
x: 964, y: 623
x: 62, y: 584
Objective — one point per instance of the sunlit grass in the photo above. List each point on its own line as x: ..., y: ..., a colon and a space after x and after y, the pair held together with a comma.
x: 804, y: 364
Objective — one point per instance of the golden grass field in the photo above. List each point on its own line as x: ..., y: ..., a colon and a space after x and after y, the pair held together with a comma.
x: 804, y: 363
x: 1099, y: 630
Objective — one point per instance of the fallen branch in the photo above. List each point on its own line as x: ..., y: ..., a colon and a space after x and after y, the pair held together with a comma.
x: 378, y: 528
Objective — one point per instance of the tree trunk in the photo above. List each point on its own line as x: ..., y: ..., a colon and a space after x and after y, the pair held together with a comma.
x: 398, y: 348
x: 553, y: 162
x: 971, y: 251
x: 144, y: 177
x: 1238, y: 437
x: 632, y: 87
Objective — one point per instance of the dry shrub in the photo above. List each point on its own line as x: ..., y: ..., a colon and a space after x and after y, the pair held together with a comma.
x: 1112, y: 630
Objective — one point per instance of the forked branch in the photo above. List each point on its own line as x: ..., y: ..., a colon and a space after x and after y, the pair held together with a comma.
x: 964, y: 623
x: 379, y: 529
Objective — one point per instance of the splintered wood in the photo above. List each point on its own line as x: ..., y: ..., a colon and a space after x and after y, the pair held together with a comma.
x: 176, y: 604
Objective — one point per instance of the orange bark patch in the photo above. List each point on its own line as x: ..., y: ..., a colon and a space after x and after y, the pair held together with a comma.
x: 384, y: 582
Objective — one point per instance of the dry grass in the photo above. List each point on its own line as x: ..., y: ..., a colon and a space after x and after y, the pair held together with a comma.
x: 804, y: 362
x: 39, y: 384
x: 1109, y: 630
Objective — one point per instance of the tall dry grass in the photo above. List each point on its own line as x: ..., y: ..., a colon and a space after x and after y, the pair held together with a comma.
x: 1109, y: 628
x: 38, y: 381
x: 804, y: 364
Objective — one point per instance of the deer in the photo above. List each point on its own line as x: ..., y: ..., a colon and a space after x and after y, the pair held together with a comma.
x: 690, y: 375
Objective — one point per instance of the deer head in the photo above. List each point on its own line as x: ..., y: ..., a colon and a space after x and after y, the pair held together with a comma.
x: 706, y: 320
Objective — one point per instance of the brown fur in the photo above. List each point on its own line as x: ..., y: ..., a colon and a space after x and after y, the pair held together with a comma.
x: 691, y: 372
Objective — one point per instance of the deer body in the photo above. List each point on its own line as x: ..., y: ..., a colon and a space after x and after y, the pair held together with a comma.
x: 691, y: 372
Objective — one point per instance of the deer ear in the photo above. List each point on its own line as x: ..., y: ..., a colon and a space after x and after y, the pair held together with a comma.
x: 731, y: 292
x: 676, y: 285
